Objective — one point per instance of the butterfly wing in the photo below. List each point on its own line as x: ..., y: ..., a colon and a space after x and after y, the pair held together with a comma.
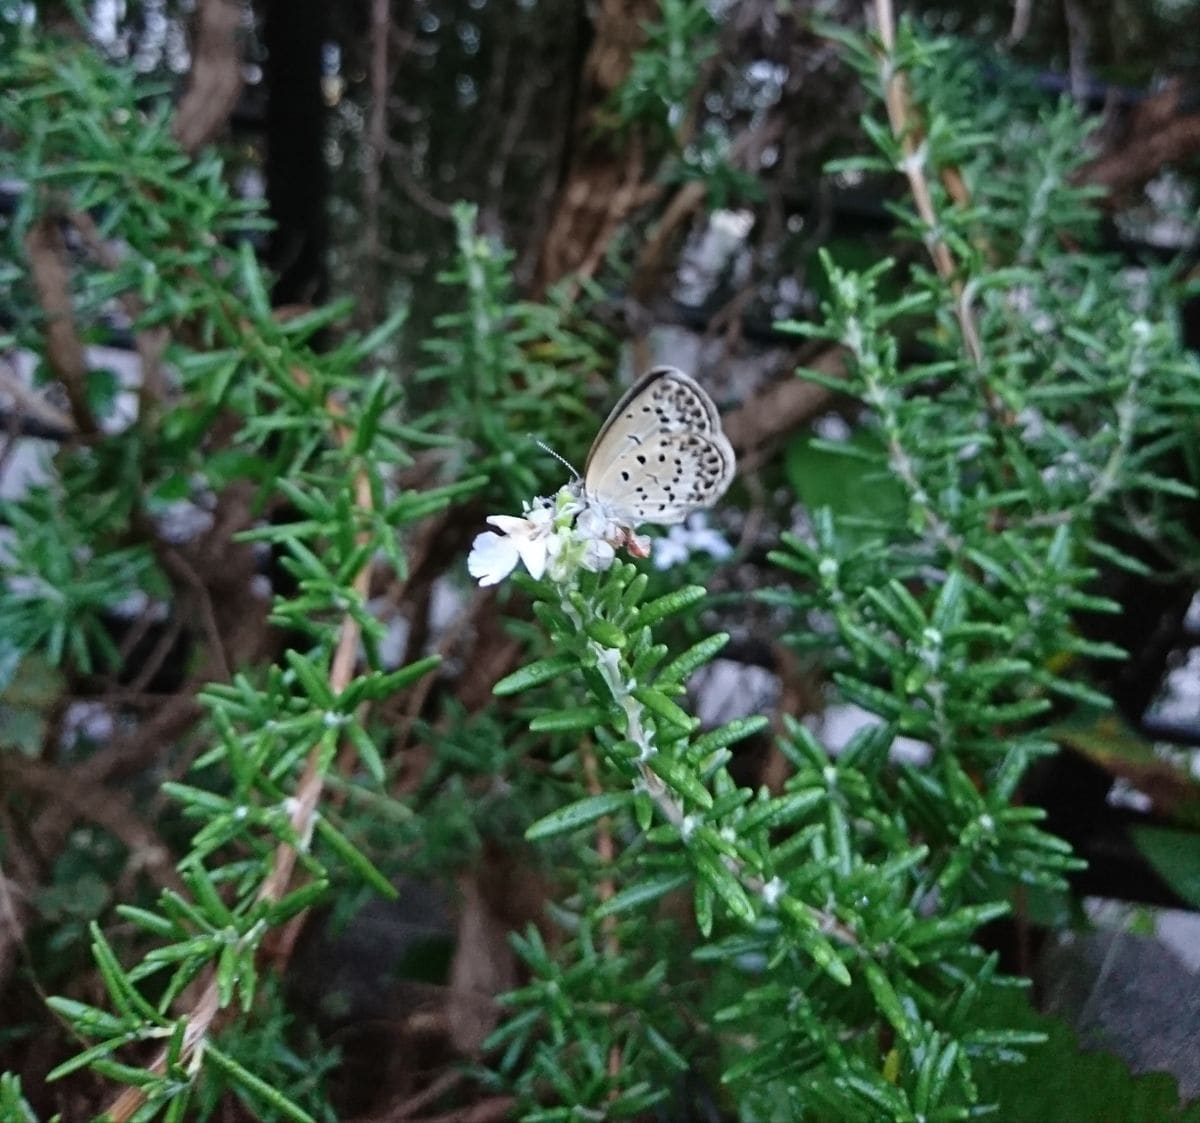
x: 661, y: 454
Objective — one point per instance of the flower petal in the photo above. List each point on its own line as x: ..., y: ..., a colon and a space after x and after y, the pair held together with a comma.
x: 598, y: 555
x: 540, y: 518
x: 510, y: 524
x: 492, y: 558
x: 592, y: 523
x: 533, y: 553
x: 711, y: 542
x: 670, y: 553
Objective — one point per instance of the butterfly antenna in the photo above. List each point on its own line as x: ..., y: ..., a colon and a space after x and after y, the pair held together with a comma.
x: 561, y: 459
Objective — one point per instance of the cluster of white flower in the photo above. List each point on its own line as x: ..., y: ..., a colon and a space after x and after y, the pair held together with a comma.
x: 554, y: 537
x: 692, y: 537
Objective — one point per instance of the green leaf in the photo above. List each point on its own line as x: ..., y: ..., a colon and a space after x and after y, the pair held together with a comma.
x: 298, y: 900
x: 887, y: 1000
x: 957, y: 926
x: 1060, y: 1082
x: 605, y: 633
x: 724, y: 883
x: 784, y: 810
x: 681, y: 667
x: 662, y: 706
x: 1175, y: 856
x: 849, y: 479
x: 13, y: 1107
x: 364, y: 348
x: 574, y: 719
x: 704, y: 900
x: 88, y: 1057
x: 312, y: 678
x: 367, y: 751
x: 544, y: 670
x: 678, y: 776
x: 806, y: 933
x: 578, y: 814
x: 152, y: 922
x: 88, y: 1020
x: 725, y: 735
x: 642, y: 892
x: 252, y: 281
x: 379, y: 686
x: 653, y: 611
x: 355, y: 859
x: 255, y: 1086
x: 124, y: 994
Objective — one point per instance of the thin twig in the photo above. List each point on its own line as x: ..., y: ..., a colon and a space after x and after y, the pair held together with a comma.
x: 179, y: 567
x: 375, y: 151
x: 637, y: 732
x: 201, y: 1017
x: 109, y: 808
x: 913, y: 148
x: 28, y: 404
x: 426, y: 1097
x: 64, y: 349
x: 215, y: 81
x: 150, y: 342
x: 744, y: 152
x: 491, y: 1110
x: 606, y: 852
x: 1022, y: 10
x: 1079, y: 40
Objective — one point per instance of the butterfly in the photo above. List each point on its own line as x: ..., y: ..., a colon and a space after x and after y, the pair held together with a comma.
x: 659, y: 456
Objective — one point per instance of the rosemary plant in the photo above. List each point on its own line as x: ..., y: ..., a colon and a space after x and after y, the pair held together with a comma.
x: 803, y: 952
x: 315, y: 434
x: 809, y: 950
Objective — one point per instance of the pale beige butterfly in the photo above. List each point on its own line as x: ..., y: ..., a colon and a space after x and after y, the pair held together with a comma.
x: 660, y: 455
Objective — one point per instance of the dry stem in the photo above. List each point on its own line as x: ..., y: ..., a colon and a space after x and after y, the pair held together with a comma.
x: 304, y: 804
x: 907, y: 131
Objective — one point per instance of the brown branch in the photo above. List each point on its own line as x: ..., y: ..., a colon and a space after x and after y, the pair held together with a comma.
x: 602, y: 184
x: 152, y: 342
x: 179, y: 568
x: 1022, y: 10
x: 744, y: 152
x: 1079, y: 39
x: 216, y: 78
x: 492, y: 1110
x: 623, y: 198
x: 64, y: 349
x: 401, y: 159
x: 376, y: 148
x: 783, y: 406
x: 1157, y: 133
x: 16, y: 894
x: 110, y: 808
x: 27, y: 404
x: 498, y: 166
x: 904, y: 128
x: 418, y: 1101
x: 203, y: 1015
x: 907, y: 130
